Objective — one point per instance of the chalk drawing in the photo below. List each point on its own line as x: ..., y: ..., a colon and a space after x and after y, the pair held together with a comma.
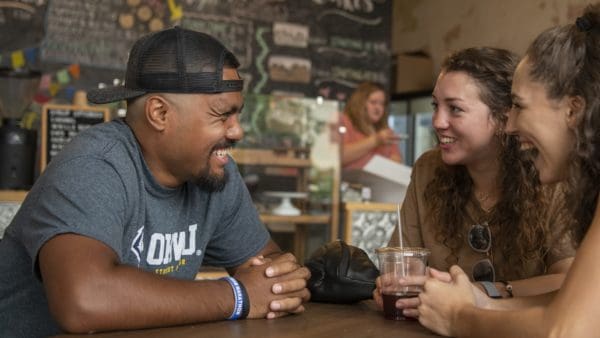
x: 260, y: 58
x: 289, y: 34
x: 356, y: 18
x: 342, y: 51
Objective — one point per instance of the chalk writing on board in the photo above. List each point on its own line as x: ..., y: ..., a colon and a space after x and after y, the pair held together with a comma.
x: 355, y: 18
x: 21, y: 23
x: 287, y: 34
x: 261, y: 10
x: 234, y: 33
x: 65, y: 124
x: 366, y: 6
x: 289, y: 69
x: 334, y: 44
x: 86, y: 32
x: 98, y: 33
x: 60, y: 123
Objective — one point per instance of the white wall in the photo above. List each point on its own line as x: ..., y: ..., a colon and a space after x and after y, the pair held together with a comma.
x: 441, y: 26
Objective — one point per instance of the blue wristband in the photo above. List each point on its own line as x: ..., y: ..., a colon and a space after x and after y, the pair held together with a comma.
x: 241, y: 306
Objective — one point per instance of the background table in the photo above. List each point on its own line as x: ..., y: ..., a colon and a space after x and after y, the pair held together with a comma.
x: 361, y: 320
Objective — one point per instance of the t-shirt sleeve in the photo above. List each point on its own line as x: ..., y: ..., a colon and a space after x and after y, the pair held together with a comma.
x: 240, y: 234
x: 82, y: 197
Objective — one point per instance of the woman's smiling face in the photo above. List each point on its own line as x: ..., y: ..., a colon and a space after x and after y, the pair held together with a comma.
x: 462, y: 121
x: 542, y: 125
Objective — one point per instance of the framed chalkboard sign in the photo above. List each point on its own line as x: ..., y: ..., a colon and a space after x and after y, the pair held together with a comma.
x: 60, y: 123
x: 369, y: 225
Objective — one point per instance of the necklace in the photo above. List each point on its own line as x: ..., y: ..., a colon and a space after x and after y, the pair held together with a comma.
x: 483, y: 199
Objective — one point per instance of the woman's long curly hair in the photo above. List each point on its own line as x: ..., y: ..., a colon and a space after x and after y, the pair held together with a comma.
x: 356, y: 107
x: 517, y: 230
x: 566, y: 60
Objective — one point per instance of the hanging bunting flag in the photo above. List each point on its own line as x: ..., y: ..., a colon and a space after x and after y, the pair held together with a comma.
x: 45, y: 81
x: 31, y: 54
x: 176, y: 11
x: 63, y: 76
x: 74, y: 71
x: 70, y: 92
x: 41, y: 98
x: 54, y: 87
x: 18, y: 59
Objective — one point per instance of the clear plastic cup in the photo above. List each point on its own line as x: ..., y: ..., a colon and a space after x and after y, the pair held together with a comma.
x: 396, y: 263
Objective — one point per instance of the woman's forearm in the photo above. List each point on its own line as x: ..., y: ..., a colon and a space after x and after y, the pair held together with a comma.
x: 354, y: 151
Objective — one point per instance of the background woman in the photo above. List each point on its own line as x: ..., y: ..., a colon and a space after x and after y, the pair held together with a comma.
x: 556, y: 116
x: 367, y: 131
x: 472, y: 201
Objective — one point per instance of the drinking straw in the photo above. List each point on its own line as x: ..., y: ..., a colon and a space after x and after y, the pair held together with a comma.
x: 399, y: 226
x: 400, y: 238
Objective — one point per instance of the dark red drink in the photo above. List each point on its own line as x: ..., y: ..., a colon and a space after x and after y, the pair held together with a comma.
x: 390, y: 311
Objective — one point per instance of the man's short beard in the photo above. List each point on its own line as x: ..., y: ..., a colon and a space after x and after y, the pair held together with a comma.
x: 212, y: 183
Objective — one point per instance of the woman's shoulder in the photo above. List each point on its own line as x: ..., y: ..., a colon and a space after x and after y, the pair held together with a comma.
x: 344, y: 119
x: 424, y: 169
x: 431, y: 159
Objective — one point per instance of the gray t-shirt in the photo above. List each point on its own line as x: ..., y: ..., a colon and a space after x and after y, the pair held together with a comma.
x: 99, y: 186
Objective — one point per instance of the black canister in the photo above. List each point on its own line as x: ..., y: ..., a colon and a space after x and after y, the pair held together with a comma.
x: 17, y: 155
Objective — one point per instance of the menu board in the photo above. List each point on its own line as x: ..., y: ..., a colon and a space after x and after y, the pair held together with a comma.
x: 303, y: 48
x: 60, y: 123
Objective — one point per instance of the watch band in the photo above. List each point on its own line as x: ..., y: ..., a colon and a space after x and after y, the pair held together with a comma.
x: 490, y: 289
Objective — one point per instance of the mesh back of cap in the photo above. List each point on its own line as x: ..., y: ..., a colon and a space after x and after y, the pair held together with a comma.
x: 182, y: 61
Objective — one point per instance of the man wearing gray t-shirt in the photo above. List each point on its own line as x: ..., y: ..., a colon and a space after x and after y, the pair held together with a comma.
x: 114, y: 231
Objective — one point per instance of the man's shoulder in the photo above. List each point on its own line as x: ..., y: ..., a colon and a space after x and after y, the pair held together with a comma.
x: 104, y: 140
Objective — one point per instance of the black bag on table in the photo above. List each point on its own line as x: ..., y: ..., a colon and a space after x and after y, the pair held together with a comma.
x: 341, y: 273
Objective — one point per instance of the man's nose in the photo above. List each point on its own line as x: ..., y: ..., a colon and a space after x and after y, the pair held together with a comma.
x: 234, y: 128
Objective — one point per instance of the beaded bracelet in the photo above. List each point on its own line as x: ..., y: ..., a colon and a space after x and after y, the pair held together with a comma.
x: 241, y: 306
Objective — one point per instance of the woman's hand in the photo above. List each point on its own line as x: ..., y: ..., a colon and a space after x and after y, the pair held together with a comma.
x: 442, y: 301
x: 409, y: 305
x: 386, y: 136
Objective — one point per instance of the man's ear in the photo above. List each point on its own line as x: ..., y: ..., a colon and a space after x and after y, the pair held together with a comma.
x: 576, y: 109
x: 155, y: 111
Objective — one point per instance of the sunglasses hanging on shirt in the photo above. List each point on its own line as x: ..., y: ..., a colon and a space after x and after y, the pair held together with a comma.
x: 480, y: 240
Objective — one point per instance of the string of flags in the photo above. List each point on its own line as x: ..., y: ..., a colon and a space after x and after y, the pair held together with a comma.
x: 50, y: 83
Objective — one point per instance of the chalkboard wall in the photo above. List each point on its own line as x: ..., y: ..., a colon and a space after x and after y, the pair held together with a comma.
x: 302, y: 47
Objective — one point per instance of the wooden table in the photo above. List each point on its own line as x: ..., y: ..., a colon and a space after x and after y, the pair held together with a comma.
x: 361, y: 320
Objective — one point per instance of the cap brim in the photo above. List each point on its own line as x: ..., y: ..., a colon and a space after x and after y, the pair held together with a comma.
x: 112, y: 94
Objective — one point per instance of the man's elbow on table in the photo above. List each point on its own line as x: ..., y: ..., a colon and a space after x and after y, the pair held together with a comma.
x: 74, y: 312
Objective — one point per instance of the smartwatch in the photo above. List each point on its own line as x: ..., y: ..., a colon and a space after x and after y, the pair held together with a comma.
x: 490, y: 289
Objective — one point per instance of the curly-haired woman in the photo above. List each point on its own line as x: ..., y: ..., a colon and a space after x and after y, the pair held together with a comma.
x: 556, y: 116
x: 473, y: 201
